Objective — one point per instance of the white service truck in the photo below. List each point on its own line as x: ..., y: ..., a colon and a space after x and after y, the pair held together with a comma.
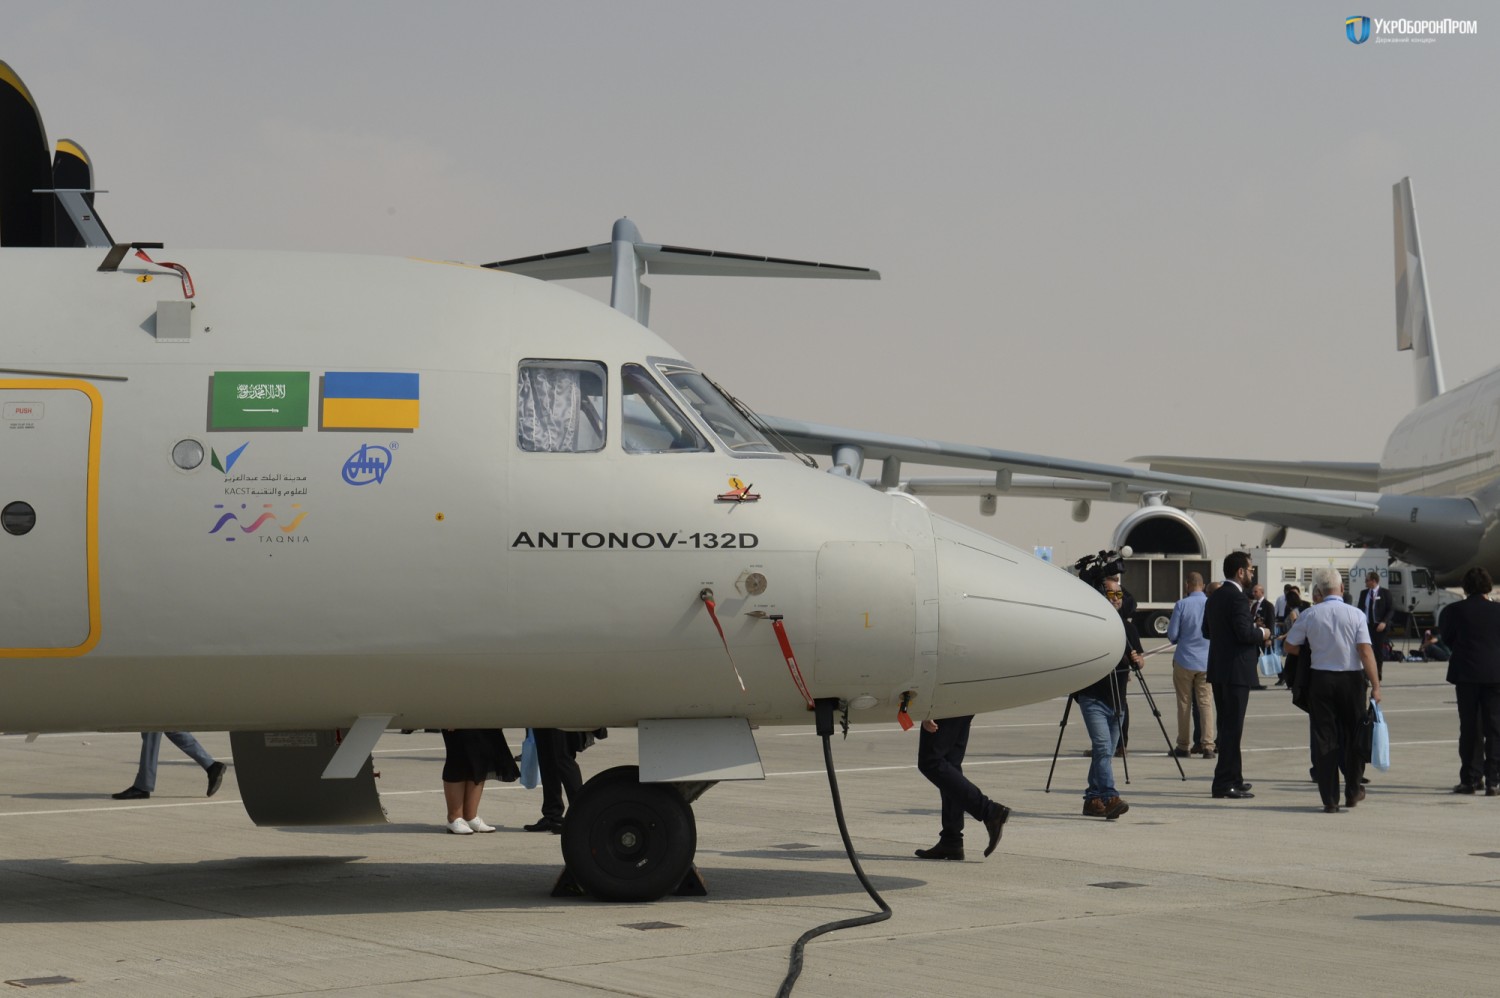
x: 1418, y: 599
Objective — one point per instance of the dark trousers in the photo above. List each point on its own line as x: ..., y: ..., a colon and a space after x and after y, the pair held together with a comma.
x: 1337, y: 706
x: 558, y: 766
x: 1479, y: 733
x: 940, y: 758
x: 1229, y: 705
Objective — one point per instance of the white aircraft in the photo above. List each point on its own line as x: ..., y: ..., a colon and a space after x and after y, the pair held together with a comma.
x: 474, y: 500
x: 1433, y: 499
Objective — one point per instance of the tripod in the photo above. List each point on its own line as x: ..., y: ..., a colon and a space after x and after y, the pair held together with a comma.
x: 1124, y: 752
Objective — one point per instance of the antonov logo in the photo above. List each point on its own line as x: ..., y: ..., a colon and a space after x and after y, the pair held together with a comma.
x: 368, y: 465
x: 1361, y: 25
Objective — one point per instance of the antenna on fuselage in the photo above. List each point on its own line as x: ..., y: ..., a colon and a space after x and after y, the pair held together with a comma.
x: 627, y: 258
x: 1413, y: 308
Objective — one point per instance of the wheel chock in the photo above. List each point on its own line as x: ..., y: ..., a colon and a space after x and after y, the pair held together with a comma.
x: 567, y: 886
x: 692, y: 885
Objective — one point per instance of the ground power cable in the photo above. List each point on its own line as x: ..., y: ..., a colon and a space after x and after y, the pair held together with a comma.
x: 794, y: 964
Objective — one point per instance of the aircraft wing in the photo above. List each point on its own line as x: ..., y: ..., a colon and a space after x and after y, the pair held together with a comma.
x: 1355, y: 475
x: 1438, y: 532
x: 1241, y: 499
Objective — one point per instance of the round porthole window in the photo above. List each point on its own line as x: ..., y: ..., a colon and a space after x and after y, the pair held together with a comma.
x: 188, y: 454
x: 17, y: 518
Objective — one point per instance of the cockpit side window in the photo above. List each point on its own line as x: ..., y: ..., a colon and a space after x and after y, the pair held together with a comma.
x: 653, y: 424
x: 717, y: 411
x: 560, y: 406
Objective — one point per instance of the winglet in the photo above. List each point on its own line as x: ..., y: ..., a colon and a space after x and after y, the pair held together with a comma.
x: 626, y: 258
x: 1414, y: 327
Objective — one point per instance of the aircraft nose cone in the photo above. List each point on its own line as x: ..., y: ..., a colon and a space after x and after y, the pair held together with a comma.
x: 1012, y: 629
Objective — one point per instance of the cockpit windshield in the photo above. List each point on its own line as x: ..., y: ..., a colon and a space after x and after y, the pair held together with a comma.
x: 721, y: 415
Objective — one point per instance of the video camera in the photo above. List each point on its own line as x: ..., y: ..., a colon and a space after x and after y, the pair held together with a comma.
x: 1095, y: 568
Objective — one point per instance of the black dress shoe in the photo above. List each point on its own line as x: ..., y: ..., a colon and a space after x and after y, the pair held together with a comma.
x: 553, y: 825
x: 1233, y: 794
x: 943, y: 850
x: 215, y: 777
x: 1461, y: 788
x: 132, y: 793
x: 995, y: 825
x: 1243, y: 786
x: 1330, y: 809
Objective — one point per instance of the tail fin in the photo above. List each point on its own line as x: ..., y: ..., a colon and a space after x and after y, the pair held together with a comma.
x: 1413, y: 310
x: 626, y: 257
x: 25, y: 217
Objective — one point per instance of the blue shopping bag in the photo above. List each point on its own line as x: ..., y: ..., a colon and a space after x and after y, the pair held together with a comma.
x: 1380, y: 741
x: 1270, y: 664
x: 531, y: 774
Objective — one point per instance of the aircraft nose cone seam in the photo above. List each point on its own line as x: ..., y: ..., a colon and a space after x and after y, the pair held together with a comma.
x: 1036, y: 606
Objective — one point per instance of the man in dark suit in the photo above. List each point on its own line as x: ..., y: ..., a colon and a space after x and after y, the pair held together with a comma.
x: 1234, y: 644
x: 1471, y: 630
x: 1262, y: 610
x: 1376, y: 604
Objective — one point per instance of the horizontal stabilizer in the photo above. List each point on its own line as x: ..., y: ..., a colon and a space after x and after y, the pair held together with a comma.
x: 1354, y: 475
x: 626, y: 258
x: 597, y: 261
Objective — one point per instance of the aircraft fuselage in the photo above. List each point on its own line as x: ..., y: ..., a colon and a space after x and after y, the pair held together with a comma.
x: 307, y: 499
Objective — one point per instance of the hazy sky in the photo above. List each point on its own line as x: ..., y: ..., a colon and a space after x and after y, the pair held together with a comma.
x: 1105, y: 229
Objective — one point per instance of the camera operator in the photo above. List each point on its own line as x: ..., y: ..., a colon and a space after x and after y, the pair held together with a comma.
x: 1102, y: 705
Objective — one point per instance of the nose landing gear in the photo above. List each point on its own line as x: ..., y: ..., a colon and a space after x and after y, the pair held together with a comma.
x: 624, y: 840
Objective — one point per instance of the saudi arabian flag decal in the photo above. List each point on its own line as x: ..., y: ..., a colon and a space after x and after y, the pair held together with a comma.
x: 259, y: 400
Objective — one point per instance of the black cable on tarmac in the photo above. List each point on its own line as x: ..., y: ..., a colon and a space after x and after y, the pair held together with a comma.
x: 794, y: 967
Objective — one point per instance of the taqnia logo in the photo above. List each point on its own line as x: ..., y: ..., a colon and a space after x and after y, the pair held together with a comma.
x: 368, y: 464
x: 276, y: 530
x: 1358, y: 29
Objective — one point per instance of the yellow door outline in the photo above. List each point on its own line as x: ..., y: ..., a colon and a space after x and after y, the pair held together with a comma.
x: 91, y: 513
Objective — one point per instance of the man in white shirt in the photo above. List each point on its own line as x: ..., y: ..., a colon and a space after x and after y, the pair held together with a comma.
x: 1342, y: 663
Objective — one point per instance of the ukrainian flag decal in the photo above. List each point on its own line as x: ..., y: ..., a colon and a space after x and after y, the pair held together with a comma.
x: 370, y: 400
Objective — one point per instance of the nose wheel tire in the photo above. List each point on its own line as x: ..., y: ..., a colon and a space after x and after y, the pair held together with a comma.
x: 625, y: 840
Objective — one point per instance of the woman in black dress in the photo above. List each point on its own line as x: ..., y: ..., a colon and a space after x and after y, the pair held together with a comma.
x: 474, y: 756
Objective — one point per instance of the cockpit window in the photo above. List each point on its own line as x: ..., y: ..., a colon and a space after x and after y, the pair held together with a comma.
x: 717, y: 411
x: 560, y: 406
x: 653, y: 423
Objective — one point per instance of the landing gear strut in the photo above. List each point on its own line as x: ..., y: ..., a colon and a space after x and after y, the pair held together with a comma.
x: 625, y: 840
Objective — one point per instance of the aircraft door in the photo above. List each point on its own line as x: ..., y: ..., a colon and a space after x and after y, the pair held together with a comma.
x: 867, y: 617
x: 49, y: 471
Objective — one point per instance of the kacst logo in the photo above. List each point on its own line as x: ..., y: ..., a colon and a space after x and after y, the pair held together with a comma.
x: 368, y: 465
x: 1358, y: 29
x: 228, y: 462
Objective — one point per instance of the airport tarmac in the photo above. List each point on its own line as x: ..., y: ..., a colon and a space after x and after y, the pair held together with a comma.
x: 1184, y: 895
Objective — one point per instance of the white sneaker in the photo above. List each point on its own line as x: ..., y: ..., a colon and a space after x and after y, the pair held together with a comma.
x: 478, y: 824
x: 459, y: 827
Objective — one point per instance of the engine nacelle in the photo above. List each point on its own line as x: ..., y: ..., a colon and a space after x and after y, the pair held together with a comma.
x: 1161, y: 529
